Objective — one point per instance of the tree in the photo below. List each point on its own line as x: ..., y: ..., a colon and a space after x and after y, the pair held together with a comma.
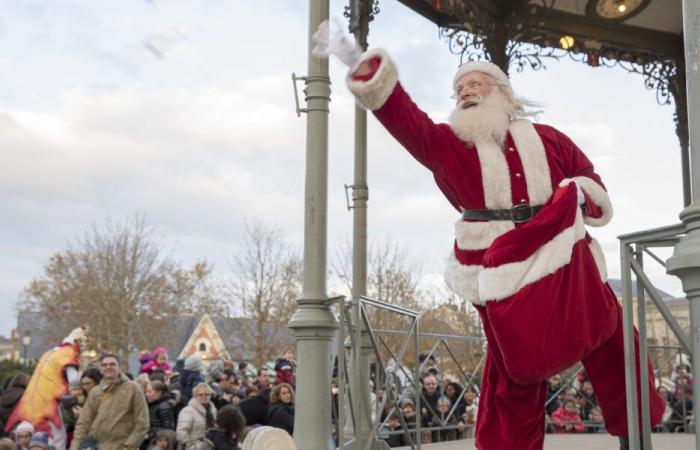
x: 393, y: 276
x: 115, y: 280
x: 265, y: 286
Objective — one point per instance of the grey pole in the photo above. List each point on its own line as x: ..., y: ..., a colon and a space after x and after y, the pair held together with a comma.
x: 313, y: 322
x: 359, y: 25
x: 685, y: 262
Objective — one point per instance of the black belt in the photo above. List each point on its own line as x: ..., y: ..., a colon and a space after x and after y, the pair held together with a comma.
x: 518, y: 214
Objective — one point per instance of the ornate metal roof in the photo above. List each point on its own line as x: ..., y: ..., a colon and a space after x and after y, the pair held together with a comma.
x: 641, y: 36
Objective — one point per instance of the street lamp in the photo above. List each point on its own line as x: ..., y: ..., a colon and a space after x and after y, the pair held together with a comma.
x: 26, y: 340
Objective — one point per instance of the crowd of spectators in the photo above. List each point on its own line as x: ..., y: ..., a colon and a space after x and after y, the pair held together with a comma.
x: 186, y: 407
x: 190, y: 407
x: 449, y: 409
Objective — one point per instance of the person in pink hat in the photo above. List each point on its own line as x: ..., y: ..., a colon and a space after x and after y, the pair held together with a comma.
x: 524, y: 193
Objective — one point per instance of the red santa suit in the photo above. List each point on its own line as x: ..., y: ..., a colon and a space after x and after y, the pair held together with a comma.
x: 530, y: 282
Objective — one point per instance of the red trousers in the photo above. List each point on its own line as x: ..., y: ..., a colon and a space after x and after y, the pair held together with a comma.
x: 511, y: 415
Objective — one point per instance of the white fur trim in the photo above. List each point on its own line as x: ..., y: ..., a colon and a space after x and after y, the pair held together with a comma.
x: 500, y: 282
x: 372, y: 94
x: 599, y: 257
x: 463, y: 280
x: 480, y: 235
x: 495, y: 176
x: 534, y: 159
x: 600, y: 197
x: 484, y: 67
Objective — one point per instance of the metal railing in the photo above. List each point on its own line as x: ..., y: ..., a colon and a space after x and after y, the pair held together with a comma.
x: 397, y: 373
x: 633, y: 248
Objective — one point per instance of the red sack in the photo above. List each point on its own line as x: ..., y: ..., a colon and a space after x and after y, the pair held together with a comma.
x: 545, y: 299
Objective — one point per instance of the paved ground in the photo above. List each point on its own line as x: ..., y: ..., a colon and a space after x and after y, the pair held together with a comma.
x: 585, y: 442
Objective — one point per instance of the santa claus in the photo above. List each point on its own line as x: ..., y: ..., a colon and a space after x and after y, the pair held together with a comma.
x: 521, y: 253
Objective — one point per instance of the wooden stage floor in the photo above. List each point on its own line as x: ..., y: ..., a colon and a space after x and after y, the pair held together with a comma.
x: 665, y: 441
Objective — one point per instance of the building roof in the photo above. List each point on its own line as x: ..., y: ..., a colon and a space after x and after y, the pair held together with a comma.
x: 235, y: 332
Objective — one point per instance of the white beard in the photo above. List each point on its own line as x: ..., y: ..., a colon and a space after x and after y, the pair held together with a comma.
x: 486, y: 121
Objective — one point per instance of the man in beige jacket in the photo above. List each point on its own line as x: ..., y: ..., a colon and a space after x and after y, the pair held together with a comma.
x: 115, y: 413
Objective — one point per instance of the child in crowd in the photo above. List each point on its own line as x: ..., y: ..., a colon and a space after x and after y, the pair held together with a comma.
x: 23, y: 435
x: 566, y: 419
x: 164, y: 440
x: 40, y: 441
x: 393, y: 423
x: 596, y: 424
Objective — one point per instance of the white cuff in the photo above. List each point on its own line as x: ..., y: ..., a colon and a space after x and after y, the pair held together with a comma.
x: 373, y: 93
x: 600, y: 197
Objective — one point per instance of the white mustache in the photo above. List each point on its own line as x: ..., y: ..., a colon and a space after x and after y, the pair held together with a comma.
x: 472, y: 100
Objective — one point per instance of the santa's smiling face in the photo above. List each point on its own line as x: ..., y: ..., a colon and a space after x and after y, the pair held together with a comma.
x: 483, y: 111
x: 472, y: 88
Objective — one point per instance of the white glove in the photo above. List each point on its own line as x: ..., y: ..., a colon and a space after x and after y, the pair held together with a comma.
x: 340, y: 45
x: 579, y: 192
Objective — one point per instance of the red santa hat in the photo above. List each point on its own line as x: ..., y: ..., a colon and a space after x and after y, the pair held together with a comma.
x: 486, y: 67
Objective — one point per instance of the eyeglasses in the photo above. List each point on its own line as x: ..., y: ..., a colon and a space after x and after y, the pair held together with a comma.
x: 472, y: 85
x: 108, y: 365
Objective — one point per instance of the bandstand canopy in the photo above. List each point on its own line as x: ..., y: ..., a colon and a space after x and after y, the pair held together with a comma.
x: 609, y: 27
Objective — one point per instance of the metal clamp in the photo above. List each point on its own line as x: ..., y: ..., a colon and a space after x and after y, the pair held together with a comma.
x: 359, y: 192
x: 296, y: 94
x: 347, y: 197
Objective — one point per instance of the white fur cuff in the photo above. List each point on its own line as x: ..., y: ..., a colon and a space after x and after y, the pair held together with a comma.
x: 600, y: 197
x: 372, y: 94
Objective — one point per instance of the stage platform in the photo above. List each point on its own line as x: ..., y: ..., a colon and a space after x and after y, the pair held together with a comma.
x: 666, y: 441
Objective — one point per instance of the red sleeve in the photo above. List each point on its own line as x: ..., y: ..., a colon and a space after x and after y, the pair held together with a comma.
x: 577, y: 164
x: 424, y: 139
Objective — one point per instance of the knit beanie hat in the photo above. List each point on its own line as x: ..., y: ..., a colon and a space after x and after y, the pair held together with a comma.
x: 24, y: 427
x: 39, y: 440
x: 193, y: 362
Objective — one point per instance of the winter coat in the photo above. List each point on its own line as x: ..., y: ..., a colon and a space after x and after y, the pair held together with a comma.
x: 116, y: 415
x: 8, y: 401
x: 394, y: 440
x: 153, y: 365
x: 561, y: 417
x: 14, y: 388
x: 281, y: 415
x: 161, y: 415
x: 188, y: 380
x: 254, y: 410
x: 192, y: 421
x: 222, y: 440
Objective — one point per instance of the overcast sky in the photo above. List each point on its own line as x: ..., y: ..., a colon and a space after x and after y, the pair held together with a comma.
x: 183, y: 110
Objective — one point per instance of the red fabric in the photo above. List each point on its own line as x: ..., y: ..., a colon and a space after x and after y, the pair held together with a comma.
x: 591, y: 209
x: 561, y: 417
x: 507, y: 418
x: 455, y: 166
x: 468, y: 257
x: 605, y: 367
x: 374, y: 64
x: 529, y: 325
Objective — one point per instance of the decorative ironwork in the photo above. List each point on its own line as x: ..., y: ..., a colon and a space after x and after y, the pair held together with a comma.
x: 355, y: 10
x: 517, y: 39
